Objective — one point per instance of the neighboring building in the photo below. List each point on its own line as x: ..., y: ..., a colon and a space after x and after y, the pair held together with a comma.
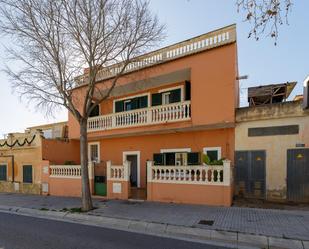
x: 272, y: 147
x: 22, y: 156
x: 171, y: 106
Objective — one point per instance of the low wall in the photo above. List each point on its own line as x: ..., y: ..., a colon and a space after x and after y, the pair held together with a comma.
x: 67, y: 187
x: 24, y: 188
x: 118, y: 190
x: 190, y: 194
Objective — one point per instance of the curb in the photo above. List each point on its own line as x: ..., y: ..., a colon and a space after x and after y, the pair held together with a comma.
x: 234, y: 239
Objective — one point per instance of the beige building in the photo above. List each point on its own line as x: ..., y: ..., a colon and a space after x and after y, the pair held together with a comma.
x: 272, y: 151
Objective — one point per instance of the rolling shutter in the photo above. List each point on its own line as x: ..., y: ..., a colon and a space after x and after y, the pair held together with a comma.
x: 193, y: 158
x: 27, y: 174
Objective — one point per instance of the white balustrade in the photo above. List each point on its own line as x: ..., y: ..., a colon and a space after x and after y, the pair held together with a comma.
x: 118, y: 172
x: 203, y: 42
x: 69, y: 171
x: 201, y: 174
x: 146, y: 116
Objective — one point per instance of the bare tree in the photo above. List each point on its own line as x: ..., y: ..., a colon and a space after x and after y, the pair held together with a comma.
x: 265, y: 15
x: 56, y: 39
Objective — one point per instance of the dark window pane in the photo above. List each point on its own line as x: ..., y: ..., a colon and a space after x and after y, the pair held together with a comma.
x: 27, y: 174
x: 213, y: 155
x: 158, y: 159
x: 156, y: 99
x: 119, y: 106
x: 193, y: 158
x: 169, y: 158
x: 143, y: 102
x: 95, y: 111
x: 3, y: 173
x: 175, y: 96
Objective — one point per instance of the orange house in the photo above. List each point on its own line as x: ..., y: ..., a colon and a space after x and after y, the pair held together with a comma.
x: 170, y: 108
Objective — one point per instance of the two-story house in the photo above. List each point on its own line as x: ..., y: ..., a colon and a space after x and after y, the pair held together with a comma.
x: 171, y: 106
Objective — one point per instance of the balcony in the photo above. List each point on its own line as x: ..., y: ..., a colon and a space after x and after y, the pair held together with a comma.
x: 175, y: 112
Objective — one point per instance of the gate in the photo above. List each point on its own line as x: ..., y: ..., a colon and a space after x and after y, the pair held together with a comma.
x: 298, y: 175
x: 250, y: 173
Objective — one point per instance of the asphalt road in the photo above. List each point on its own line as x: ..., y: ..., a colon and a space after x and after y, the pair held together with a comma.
x: 21, y: 232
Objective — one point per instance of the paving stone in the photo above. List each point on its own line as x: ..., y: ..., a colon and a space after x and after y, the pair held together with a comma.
x: 275, y: 243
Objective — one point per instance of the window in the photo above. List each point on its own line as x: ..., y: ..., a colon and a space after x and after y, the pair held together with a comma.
x: 95, y: 111
x: 27, y: 173
x: 178, y: 157
x: 3, y: 172
x: 214, y: 153
x: 131, y: 104
x: 167, y: 96
x: 48, y: 134
x: 94, y: 152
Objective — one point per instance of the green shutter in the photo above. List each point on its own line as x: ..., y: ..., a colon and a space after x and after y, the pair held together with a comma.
x: 175, y: 96
x: 170, y: 158
x: 143, y: 102
x: 27, y: 174
x: 156, y: 99
x: 188, y: 90
x: 119, y: 106
x: 193, y: 158
x: 158, y: 159
x: 3, y: 173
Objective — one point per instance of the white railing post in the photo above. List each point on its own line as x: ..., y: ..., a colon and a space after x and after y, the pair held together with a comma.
x: 126, y: 171
x: 149, y: 116
x: 108, y: 166
x: 149, y: 170
x: 227, y: 172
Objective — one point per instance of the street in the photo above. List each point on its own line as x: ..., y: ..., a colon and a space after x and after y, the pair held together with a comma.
x: 21, y: 232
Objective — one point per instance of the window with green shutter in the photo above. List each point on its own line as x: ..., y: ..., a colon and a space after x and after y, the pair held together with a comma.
x: 158, y: 159
x: 193, y: 158
x: 156, y: 99
x: 3, y: 173
x: 27, y: 173
x: 131, y: 104
x: 175, y: 96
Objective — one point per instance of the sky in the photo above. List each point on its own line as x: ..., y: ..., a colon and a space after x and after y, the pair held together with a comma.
x: 263, y: 62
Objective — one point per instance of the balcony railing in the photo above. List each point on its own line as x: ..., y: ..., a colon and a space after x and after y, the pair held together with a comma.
x: 146, y: 116
x: 204, y: 42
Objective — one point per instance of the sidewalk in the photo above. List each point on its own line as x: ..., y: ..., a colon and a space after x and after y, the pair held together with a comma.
x: 288, y: 225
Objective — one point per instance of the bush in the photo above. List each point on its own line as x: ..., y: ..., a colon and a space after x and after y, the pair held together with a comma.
x: 208, y: 161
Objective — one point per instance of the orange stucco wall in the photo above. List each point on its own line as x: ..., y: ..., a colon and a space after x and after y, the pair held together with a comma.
x: 57, y: 151
x: 125, y: 190
x: 190, y: 193
x: 67, y: 186
x: 214, y: 89
x: 113, y: 148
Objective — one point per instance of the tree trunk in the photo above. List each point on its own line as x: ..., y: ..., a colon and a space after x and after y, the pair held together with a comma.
x: 86, y: 195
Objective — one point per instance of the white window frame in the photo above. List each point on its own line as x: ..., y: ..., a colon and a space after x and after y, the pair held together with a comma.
x: 182, y: 93
x: 175, y: 150
x: 89, y: 151
x: 132, y: 97
x: 218, y: 149
x: 138, y: 154
x: 7, y: 171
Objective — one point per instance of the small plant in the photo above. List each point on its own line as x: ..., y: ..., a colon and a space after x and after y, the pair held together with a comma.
x: 208, y: 161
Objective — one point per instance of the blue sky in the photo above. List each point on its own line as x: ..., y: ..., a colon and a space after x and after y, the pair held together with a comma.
x: 262, y: 61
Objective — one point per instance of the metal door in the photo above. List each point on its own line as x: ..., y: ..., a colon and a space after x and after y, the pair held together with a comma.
x: 298, y: 175
x: 250, y: 173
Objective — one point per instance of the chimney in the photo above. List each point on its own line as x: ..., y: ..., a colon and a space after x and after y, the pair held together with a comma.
x: 306, y: 93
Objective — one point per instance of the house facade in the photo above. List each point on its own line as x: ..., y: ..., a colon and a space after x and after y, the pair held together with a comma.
x: 272, y: 150
x: 169, y: 108
x: 23, y: 155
